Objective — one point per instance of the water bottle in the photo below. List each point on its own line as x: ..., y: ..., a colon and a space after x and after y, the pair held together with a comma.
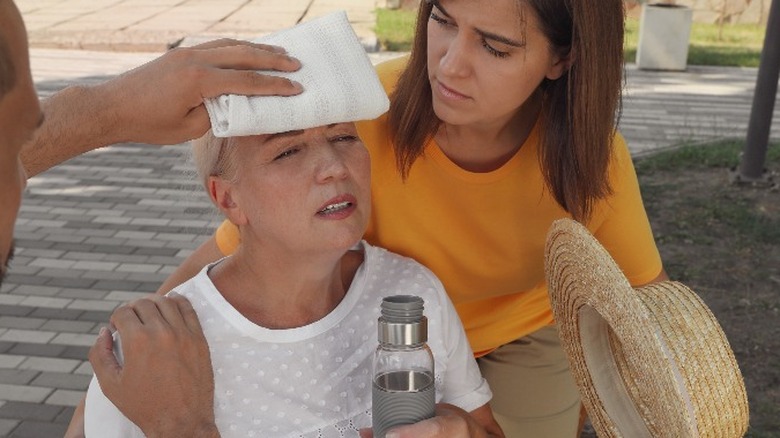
x: 403, y: 379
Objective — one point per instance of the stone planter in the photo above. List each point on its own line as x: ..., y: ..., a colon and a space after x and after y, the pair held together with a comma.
x: 664, y: 33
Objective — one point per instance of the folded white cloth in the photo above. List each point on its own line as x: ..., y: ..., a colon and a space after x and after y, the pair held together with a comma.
x: 339, y: 81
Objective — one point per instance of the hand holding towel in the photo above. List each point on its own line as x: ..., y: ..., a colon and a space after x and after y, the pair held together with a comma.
x: 339, y: 81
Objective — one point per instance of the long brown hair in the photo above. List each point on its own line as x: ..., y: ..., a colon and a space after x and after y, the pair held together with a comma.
x: 578, y: 111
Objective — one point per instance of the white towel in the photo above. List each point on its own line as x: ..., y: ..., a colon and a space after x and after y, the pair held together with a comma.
x: 339, y: 81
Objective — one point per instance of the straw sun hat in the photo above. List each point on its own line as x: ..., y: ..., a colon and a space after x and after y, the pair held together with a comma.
x: 649, y: 362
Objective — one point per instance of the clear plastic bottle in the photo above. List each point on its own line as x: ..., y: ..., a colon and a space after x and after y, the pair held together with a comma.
x: 403, y: 380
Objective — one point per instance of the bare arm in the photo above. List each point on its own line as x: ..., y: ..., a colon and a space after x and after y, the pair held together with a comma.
x: 76, y: 426
x: 160, y: 102
x: 663, y: 276
x: 206, y: 253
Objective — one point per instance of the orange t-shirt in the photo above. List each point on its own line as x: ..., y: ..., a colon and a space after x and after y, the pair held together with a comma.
x: 483, y: 234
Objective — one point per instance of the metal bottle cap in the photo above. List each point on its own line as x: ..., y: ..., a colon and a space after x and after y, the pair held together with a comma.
x: 402, y: 322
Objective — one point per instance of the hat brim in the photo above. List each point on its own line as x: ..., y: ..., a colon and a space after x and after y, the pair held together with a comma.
x: 649, y: 362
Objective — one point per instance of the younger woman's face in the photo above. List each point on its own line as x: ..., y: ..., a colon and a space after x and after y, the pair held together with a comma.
x: 305, y: 190
x: 485, y: 58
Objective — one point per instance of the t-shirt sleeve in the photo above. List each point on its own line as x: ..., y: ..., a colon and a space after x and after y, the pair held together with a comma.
x: 463, y: 384
x: 101, y: 418
x: 623, y: 228
x: 227, y: 237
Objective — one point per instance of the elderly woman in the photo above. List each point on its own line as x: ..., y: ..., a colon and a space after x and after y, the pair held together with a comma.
x: 290, y: 318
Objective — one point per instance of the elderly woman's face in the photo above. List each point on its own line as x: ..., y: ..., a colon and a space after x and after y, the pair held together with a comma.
x: 305, y: 190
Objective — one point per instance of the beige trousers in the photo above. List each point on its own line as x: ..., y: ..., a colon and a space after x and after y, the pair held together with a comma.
x: 534, y: 394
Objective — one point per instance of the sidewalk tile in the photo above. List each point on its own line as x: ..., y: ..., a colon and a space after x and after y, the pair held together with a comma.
x: 78, y: 382
x: 49, y: 364
x: 33, y: 349
x: 20, y: 323
x: 22, y: 393
x: 17, y: 377
x: 11, y: 361
x: 33, y: 336
x: 68, y: 326
x: 55, y: 303
x: 85, y: 368
x: 75, y: 339
x: 92, y: 305
x: 29, y: 411
x: 38, y: 429
x: 6, y: 426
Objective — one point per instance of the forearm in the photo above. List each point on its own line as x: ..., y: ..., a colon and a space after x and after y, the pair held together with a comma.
x: 76, y: 426
x: 77, y: 119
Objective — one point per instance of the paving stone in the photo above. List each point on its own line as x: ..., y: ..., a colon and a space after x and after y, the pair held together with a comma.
x: 78, y: 255
x: 165, y: 252
x: 35, y: 336
x: 10, y: 300
x: 92, y: 305
x: 16, y: 322
x: 46, y: 253
x: 82, y: 283
x: 9, y: 310
x: 65, y: 415
x: 113, y: 249
x: 123, y: 297
x: 75, y: 339
x: 85, y: 368
x: 49, y: 364
x: 77, y: 382
x: 34, y: 349
x: 49, y: 313
x: 24, y: 279
x: 60, y: 325
x: 29, y: 411
x: 38, y: 429
x: 87, y: 265
x: 32, y: 394
x: 132, y: 235
x: 43, y: 291
x: 104, y: 275
x: 67, y: 246
x: 65, y: 238
x: 54, y: 274
x: 17, y: 377
x: 6, y: 426
x: 127, y: 258
x: 96, y: 316
x: 83, y: 293
x: 53, y: 263
x: 19, y: 269
x: 55, y: 303
x: 11, y: 361
x: 116, y: 285
x: 78, y: 352
x: 5, y: 346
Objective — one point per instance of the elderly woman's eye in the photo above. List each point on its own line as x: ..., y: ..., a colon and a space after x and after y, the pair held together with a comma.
x: 287, y: 153
x: 344, y: 138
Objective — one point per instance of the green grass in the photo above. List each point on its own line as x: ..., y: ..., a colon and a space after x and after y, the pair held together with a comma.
x: 395, y: 29
x: 723, y: 154
x: 728, y: 207
x: 739, y: 45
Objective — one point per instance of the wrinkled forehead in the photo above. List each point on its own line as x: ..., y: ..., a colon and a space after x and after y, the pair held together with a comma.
x: 267, y: 139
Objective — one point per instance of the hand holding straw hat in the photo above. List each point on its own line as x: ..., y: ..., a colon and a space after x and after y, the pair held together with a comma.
x: 649, y: 362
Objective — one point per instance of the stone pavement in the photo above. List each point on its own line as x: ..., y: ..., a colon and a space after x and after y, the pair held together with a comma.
x: 109, y: 226
x: 156, y: 25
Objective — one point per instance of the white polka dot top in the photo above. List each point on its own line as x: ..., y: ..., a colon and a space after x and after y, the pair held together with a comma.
x: 315, y: 380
